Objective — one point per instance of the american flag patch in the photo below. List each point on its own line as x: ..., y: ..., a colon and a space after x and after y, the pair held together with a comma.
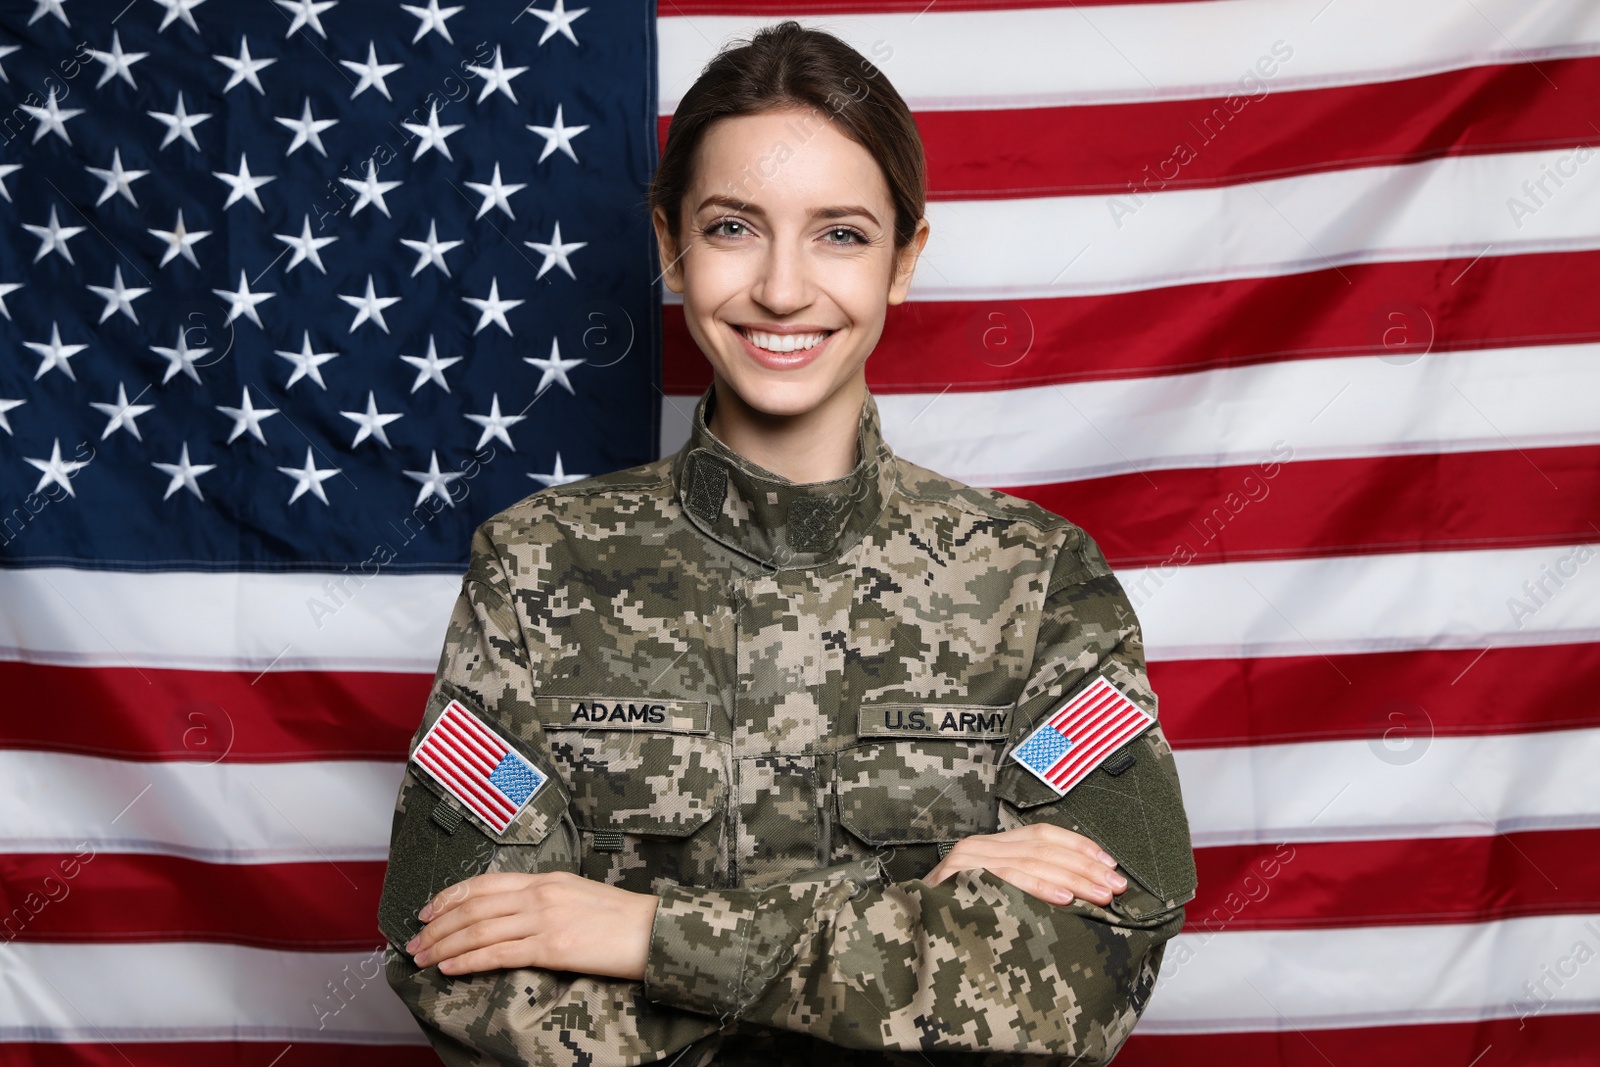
x: 1064, y: 748
x: 477, y: 767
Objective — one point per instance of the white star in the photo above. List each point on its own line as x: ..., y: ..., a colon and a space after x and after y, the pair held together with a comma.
x: 182, y: 358
x: 305, y: 247
x: 247, y: 417
x: 558, y: 476
x: 431, y: 368
x: 52, y: 117
x: 6, y: 50
x: 497, y: 78
x: 179, y: 9
x: 53, y: 237
x: 6, y: 289
x: 558, y: 136
x: 430, y: 251
x: 432, y: 19
x: 305, y: 14
x: 432, y: 134
x: 242, y: 300
x: 309, y: 477
x: 179, y: 123
x: 370, y: 423
x: 118, y: 297
x: 184, y: 474
x: 51, y: 6
x: 555, y: 368
x: 493, y: 308
x: 245, y: 68
x: 372, y: 72
x: 56, y: 469
x: 306, y: 129
x: 371, y: 189
x: 369, y: 306
x: 180, y: 240
x: 494, y: 194
x: 5, y: 406
x: 6, y: 169
x: 117, y: 179
x: 122, y: 413
x: 53, y: 354
x: 495, y: 424
x: 117, y: 61
x: 307, y: 363
x: 555, y: 253
x: 557, y: 20
x: 243, y: 185
x: 434, y: 482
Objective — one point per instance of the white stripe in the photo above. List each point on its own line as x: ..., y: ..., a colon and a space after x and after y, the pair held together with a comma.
x: 1382, y: 602
x: 184, y: 991
x: 335, y: 811
x: 229, y: 621
x: 1280, y: 980
x: 304, y: 811
x: 1456, y: 207
x: 1420, y: 786
x: 1065, y: 55
x: 1339, y: 408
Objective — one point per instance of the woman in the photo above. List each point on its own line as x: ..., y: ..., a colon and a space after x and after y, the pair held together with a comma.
x: 731, y: 757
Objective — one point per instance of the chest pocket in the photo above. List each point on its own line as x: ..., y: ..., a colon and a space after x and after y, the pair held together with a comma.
x: 919, y: 778
x: 648, y: 786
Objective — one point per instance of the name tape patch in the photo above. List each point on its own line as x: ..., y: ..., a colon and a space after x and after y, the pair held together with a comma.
x: 932, y: 720
x: 624, y: 713
x: 477, y: 767
x: 1062, y: 750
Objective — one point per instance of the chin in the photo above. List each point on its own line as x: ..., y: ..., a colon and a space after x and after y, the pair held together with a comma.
x: 785, y: 396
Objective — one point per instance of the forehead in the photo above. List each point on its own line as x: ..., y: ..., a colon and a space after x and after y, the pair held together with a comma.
x: 787, y: 160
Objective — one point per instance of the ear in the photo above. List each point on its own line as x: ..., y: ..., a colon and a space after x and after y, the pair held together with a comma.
x: 906, y: 263
x: 667, y: 252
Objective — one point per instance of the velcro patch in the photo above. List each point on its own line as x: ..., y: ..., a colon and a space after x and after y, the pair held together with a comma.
x: 1068, y: 744
x: 477, y: 766
x: 624, y: 713
x: 970, y: 722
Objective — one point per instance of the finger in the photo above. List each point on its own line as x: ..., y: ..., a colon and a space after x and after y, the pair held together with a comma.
x: 453, y: 895
x: 476, y: 936
x: 997, y: 850
x: 1035, y: 886
x: 480, y: 907
x: 1072, y: 839
x: 1064, y: 869
x: 520, y: 953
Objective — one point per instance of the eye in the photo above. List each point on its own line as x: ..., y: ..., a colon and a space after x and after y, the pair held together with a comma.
x: 852, y: 236
x: 716, y: 230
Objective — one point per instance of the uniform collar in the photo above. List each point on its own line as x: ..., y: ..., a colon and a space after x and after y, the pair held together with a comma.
x: 766, y: 516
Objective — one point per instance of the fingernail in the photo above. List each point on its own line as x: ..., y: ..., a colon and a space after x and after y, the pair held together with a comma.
x: 411, y: 946
x: 426, y: 913
x: 1107, y: 860
x: 420, y: 959
x: 1118, y: 881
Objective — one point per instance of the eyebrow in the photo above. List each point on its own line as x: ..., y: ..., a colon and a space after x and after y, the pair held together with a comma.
x: 734, y: 203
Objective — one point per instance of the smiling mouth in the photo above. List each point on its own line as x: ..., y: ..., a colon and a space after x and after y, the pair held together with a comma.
x: 782, y: 343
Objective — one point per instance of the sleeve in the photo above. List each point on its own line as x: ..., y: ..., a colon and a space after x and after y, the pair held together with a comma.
x: 508, y: 1016
x: 972, y: 964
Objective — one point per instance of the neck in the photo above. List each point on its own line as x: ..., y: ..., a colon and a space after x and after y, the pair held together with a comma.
x: 815, y: 446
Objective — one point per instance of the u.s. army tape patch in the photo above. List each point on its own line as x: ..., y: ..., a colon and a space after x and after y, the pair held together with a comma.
x: 1062, y: 750
x: 477, y: 767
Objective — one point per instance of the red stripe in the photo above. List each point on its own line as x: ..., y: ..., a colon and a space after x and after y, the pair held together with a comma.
x: 451, y: 738
x: 125, y: 1053
x: 1442, y: 305
x: 466, y: 776
x: 1421, y: 694
x: 1284, y: 507
x: 486, y: 738
x: 1230, y: 139
x: 1091, y: 753
x: 153, y: 714
x: 487, y: 805
x: 1543, y: 1040
x: 1095, y: 695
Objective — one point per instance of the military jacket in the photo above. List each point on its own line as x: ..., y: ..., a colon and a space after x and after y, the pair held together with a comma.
x: 776, y: 706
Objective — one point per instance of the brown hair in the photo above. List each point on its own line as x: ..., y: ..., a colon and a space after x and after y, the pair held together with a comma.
x: 788, y: 65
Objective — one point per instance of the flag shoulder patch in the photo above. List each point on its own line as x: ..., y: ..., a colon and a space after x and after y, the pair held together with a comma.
x: 1078, y: 736
x: 474, y: 764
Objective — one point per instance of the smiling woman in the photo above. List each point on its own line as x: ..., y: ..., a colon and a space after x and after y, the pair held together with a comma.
x: 781, y: 746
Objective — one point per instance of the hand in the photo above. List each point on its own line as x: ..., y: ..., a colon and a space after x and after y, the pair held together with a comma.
x: 556, y: 920
x: 1047, y: 861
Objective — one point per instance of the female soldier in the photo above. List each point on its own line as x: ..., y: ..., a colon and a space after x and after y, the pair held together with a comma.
x: 742, y: 755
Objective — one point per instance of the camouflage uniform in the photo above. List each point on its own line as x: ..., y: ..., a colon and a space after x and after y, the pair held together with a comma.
x: 776, y: 706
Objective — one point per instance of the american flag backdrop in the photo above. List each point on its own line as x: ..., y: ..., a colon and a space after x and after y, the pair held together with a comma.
x: 1290, y: 303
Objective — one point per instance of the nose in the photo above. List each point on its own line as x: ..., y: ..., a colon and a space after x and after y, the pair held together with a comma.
x: 784, y: 285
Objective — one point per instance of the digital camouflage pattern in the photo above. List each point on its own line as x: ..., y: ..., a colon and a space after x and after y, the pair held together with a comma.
x: 776, y: 706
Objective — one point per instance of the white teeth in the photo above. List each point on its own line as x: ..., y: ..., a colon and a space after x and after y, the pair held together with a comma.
x: 783, y: 342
